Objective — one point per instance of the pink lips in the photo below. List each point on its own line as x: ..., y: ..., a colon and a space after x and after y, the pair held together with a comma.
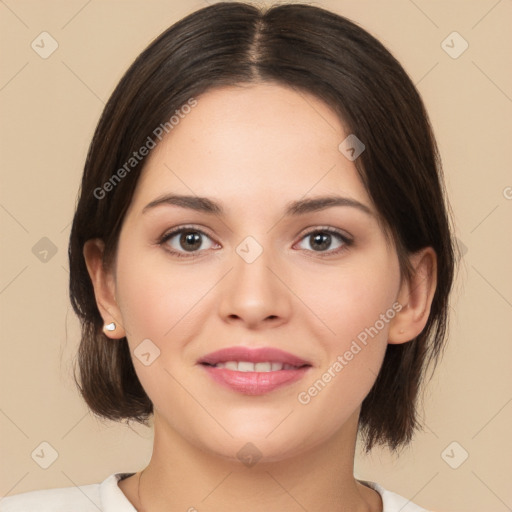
x: 253, y: 355
x: 257, y: 382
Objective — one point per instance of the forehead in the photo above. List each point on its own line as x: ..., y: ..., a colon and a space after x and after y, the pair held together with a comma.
x: 241, y: 143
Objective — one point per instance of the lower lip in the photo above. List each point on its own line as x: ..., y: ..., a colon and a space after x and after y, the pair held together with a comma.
x: 254, y: 383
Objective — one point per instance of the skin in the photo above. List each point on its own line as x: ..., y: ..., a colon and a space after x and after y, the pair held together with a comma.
x: 253, y: 149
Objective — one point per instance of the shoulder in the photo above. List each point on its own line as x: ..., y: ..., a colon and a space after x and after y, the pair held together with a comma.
x: 82, y: 499
x: 393, y: 502
x: 104, y: 497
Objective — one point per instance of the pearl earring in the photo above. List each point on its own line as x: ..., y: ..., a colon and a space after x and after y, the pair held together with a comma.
x: 110, y: 327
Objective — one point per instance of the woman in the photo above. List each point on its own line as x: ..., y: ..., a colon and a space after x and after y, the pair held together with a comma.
x: 261, y: 259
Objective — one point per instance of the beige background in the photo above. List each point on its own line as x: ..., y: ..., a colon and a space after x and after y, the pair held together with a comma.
x: 49, y: 109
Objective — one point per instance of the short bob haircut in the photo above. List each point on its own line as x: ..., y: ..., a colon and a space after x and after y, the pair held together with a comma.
x: 311, y: 50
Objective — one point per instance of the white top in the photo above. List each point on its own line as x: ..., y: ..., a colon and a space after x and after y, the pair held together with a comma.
x: 108, y: 497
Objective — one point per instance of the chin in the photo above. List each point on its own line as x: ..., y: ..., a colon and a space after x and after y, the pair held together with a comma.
x: 250, y: 446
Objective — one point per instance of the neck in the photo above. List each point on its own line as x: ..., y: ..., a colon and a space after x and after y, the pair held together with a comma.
x: 182, y: 477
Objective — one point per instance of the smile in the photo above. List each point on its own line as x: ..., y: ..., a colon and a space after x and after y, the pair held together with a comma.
x: 248, y: 366
x: 253, y: 370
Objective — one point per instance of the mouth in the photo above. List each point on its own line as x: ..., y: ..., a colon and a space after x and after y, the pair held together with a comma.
x: 246, y: 358
x: 248, y: 366
x: 254, y: 371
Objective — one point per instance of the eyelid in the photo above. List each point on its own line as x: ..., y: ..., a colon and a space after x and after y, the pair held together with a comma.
x: 329, y: 229
x: 345, y: 238
x: 174, y: 231
x: 347, y: 241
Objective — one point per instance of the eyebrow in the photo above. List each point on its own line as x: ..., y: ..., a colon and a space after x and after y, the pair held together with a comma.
x: 294, y: 208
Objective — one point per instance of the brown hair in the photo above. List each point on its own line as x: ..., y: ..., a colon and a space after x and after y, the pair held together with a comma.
x: 312, y: 50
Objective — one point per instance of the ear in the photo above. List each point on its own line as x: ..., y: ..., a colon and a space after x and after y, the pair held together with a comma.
x: 104, y: 287
x: 415, y: 297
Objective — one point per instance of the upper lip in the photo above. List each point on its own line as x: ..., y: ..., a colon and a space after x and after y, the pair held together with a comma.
x: 253, y: 355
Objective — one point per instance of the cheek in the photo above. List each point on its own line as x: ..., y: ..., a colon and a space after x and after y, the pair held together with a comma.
x: 155, y: 297
x: 352, y: 299
x: 361, y: 311
x: 358, y: 314
x: 157, y: 304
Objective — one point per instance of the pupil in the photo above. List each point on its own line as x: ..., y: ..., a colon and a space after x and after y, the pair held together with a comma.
x: 318, y: 239
x: 193, y: 240
x: 190, y: 241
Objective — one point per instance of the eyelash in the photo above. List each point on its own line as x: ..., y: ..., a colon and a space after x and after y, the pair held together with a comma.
x: 347, y: 242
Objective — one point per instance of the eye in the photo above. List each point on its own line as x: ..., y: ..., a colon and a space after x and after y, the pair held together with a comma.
x: 190, y: 240
x: 321, y: 239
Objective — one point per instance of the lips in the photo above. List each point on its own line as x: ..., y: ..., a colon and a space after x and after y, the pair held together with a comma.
x: 254, y: 371
x: 253, y: 355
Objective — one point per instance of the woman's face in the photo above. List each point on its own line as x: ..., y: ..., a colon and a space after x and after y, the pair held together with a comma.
x: 317, y: 283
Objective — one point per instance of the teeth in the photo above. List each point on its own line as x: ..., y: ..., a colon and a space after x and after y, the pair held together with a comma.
x: 263, y: 367
x: 246, y: 366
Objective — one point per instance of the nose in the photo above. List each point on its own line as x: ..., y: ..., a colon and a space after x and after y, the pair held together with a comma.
x: 255, y: 293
